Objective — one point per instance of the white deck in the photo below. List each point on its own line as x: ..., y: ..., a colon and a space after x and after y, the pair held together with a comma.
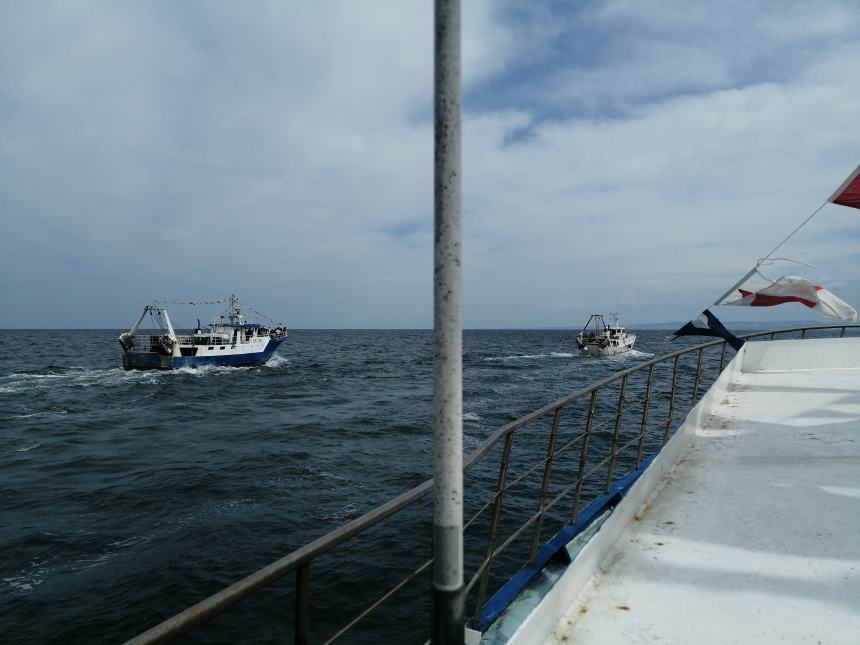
x: 754, y: 536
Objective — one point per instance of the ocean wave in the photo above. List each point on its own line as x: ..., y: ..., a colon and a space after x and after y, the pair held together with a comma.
x: 46, y: 413
x: 25, y: 449
x: 471, y: 416
x: 24, y: 581
x: 340, y: 515
x: 112, y: 550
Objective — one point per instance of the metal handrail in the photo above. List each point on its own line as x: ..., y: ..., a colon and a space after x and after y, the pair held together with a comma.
x: 146, y: 342
x: 215, y: 604
x: 300, y: 559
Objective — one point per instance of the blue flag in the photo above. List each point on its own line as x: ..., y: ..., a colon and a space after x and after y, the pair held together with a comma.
x: 706, y: 324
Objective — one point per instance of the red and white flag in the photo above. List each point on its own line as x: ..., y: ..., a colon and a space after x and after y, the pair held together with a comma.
x: 790, y: 288
x: 848, y: 194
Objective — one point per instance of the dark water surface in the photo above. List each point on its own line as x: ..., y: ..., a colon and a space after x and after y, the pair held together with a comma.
x: 128, y: 496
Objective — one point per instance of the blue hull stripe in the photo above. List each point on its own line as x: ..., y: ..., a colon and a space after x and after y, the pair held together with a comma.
x: 152, y: 361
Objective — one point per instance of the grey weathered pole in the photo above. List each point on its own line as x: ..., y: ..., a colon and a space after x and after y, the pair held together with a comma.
x: 448, y: 611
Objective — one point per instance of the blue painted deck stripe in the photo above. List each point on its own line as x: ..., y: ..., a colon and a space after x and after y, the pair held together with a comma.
x: 554, y: 548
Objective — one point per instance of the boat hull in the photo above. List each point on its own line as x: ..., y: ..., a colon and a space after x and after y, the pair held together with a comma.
x: 594, y: 349
x: 153, y: 361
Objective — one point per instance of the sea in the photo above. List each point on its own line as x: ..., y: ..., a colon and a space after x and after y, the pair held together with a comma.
x: 128, y: 496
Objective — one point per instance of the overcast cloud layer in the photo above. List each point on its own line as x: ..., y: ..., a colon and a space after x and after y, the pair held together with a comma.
x: 618, y: 156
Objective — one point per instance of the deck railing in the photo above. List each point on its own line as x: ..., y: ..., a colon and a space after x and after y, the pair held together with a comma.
x: 145, y: 343
x: 592, y: 437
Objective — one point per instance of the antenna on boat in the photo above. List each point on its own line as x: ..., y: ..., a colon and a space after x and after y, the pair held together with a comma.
x: 448, y: 601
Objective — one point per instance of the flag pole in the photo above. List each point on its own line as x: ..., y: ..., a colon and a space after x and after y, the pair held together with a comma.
x: 790, y: 235
x: 737, y: 284
x: 765, y: 258
x: 448, y: 601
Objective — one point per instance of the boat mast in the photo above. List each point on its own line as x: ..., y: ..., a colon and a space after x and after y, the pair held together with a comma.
x: 448, y: 610
x: 169, y: 325
x: 136, y: 325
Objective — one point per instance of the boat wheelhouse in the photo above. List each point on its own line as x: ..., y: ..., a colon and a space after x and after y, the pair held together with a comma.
x: 598, y: 338
x: 232, y: 339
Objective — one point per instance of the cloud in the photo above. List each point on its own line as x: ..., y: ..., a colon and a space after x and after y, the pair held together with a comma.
x: 623, y: 156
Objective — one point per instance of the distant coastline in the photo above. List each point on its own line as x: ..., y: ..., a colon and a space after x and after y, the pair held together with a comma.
x: 745, y: 325
x: 668, y: 326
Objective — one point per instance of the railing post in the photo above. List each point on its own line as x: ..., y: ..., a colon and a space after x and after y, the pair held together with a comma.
x: 644, y: 417
x: 494, y: 524
x: 696, y: 380
x: 842, y: 333
x: 553, y: 434
x: 723, y: 357
x: 803, y: 333
x: 618, y: 414
x: 671, y: 401
x: 583, y: 455
x: 303, y: 587
x: 772, y: 335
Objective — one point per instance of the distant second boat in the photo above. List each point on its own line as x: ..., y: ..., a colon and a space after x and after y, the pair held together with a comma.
x: 598, y: 338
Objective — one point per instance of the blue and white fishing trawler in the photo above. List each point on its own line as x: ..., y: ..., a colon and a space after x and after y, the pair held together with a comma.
x: 231, y: 340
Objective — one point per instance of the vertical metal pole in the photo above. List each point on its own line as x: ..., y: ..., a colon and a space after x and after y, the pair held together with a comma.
x: 448, y: 617
x: 583, y: 456
x: 723, y: 357
x: 550, y: 451
x: 842, y: 333
x: 696, y: 380
x: 644, y: 425
x: 303, y: 586
x: 803, y: 333
x: 494, y: 524
x: 671, y: 401
x: 618, y: 414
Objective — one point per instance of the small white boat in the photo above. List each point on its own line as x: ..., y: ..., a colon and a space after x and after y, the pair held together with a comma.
x: 231, y: 339
x: 600, y: 339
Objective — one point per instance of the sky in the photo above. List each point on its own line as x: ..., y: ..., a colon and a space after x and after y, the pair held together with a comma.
x: 627, y: 156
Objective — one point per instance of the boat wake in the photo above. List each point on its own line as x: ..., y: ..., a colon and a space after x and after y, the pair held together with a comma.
x: 199, y: 371
x: 80, y: 377
x: 58, y: 377
x: 277, y: 361
x: 520, y: 357
x: 635, y: 353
